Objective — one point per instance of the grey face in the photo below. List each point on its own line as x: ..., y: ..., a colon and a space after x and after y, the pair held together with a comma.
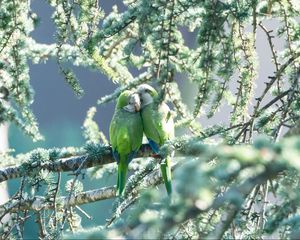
x: 134, y: 104
x: 144, y: 91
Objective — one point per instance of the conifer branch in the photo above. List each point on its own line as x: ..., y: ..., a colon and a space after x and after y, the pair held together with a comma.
x: 69, y: 164
x: 242, y: 190
x: 39, y: 203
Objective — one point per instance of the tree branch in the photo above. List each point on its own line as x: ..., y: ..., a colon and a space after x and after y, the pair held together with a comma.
x: 38, y: 202
x: 242, y: 190
x: 71, y: 163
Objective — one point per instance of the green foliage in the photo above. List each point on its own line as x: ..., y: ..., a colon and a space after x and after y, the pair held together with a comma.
x: 209, y: 186
x: 95, y: 150
x: 225, y: 174
x: 91, y: 130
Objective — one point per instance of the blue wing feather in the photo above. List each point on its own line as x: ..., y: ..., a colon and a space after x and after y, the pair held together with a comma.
x: 116, y: 156
x: 154, y: 146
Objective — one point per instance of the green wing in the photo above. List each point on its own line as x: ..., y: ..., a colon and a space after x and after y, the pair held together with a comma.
x: 165, y: 122
x: 126, y: 133
x: 158, y: 125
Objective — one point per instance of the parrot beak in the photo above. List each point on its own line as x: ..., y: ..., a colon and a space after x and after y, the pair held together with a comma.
x: 134, y: 104
x: 137, y: 106
x: 137, y: 102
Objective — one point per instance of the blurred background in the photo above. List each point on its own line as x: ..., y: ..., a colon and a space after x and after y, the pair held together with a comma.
x: 61, y: 114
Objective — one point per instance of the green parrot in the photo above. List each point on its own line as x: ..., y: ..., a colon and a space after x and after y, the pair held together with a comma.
x: 126, y: 134
x: 158, y: 127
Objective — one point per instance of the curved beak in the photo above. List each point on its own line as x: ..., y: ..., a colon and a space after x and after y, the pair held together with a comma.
x: 137, y: 107
x: 137, y: 102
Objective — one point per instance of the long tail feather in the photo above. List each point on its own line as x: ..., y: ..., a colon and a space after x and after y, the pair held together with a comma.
x: 122, y: 173
x: 165, y: 168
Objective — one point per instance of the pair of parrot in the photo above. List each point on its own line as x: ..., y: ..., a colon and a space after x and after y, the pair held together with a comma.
x: 136, y: 113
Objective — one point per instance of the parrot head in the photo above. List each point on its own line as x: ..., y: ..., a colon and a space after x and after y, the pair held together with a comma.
x: 147, y: 94
x: 129, y: 101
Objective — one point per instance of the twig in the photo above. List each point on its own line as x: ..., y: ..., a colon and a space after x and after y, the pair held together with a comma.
x: 265, y: 188
x: 77, y: 173
x: 83, y: 212
x: 242, y: 190
x: 226, y: 219
x: 267, y: 88
x: 55, y: 199
x: 38, y: 202
x: 39, y: 221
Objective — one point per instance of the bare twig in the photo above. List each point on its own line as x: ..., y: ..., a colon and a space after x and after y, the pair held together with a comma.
x: 67, y: 207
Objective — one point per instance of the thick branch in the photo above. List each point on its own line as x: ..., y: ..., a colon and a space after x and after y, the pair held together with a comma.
x: 71, y: 163
x: 187, y: 147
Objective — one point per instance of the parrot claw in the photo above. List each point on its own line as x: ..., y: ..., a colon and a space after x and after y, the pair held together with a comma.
x: 155, y: 155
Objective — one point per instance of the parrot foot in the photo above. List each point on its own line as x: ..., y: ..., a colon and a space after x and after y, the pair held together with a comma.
x: 157, y: 156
